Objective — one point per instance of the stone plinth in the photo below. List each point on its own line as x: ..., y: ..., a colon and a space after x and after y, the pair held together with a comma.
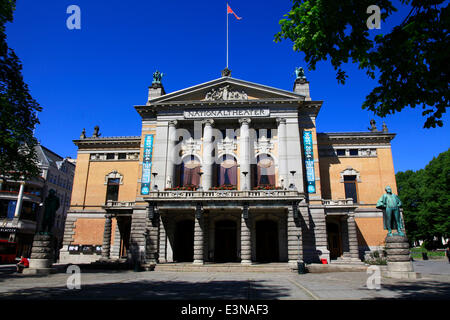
x: 399, y: 263
x: 41, y: 259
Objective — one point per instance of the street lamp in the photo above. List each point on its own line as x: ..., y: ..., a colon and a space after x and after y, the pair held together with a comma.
x: 155, y: 187
x: 245, y: 180
x: 292, y: 185
x: 200, y: 187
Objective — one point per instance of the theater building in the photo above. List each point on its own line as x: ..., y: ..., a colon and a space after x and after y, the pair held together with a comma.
x: 229, y: 171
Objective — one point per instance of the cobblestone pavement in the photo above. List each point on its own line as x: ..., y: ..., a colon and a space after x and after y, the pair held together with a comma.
x: 195, y: 285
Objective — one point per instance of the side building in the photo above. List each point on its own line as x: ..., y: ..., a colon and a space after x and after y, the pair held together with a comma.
x: 21, y: 202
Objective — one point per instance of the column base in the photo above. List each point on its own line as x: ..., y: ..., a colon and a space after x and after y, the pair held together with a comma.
x: 246, y: 262
x: 198, y: 262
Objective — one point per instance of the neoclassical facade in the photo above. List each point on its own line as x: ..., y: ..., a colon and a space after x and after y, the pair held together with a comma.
x: 229, y: 171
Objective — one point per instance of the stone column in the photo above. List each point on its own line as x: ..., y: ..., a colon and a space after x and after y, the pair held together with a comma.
x: 171, y: 156
x: 345, y: 238
x: 282, y: 153
x: 162, y: 240
x: 106, y: 247
x: 152, y: 238
x: 198, y: 236
x: 1, y: 184
x: 19, y: 201
x: 245, y: 153
x: 352, y: 238
x: 208, y: 160
x: 246, y: 246
x: 294, y: 236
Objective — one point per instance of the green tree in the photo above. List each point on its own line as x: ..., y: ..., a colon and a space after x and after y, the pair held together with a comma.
x: 425, y: 195
x: 411, y: 61
x: 18, y: 110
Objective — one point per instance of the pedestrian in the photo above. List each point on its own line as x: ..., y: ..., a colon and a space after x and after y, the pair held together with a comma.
x: 23, y: 263
x: 447, y: 251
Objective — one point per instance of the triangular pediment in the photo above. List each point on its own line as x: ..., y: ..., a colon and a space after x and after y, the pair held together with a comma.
x: 226, y: 89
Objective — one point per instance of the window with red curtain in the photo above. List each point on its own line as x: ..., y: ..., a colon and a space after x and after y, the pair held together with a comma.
x: 189, y: 172
x: 265, y: 171
x: 227, y: 172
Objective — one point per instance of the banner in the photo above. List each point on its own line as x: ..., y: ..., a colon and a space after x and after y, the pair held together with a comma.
x: 309, y: 161
x: 147, y: 164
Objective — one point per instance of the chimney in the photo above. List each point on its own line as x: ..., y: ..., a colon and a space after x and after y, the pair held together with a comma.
x: 156, y: 89
x: 301, y: 85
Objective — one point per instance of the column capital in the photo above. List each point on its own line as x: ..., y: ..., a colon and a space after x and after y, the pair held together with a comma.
x: 208, y: 122
x: 108, y: 216
x: 281, y: 120
x: 173, y: 123
x: 245, y: 121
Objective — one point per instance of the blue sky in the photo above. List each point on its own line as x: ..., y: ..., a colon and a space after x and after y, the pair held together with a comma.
x: 94, y: 76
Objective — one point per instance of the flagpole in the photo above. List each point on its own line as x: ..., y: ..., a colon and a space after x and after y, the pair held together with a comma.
x: 227, y: 35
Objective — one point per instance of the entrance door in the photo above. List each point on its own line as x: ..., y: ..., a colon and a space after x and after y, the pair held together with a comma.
x: 334, y: 240
x: 183, y: 250
x: 267, y: 241
x: 225, y: 241
x: 124, y: 224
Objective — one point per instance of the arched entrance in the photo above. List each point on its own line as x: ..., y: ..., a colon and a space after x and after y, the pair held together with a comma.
x: 183, y: 250
x: 225, y: 241
x: 267, y: 241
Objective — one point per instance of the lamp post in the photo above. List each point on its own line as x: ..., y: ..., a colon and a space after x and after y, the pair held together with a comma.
x: 292, y: 185
x: 200, y: 187
x: 245, y: 180
x: 155, y: 187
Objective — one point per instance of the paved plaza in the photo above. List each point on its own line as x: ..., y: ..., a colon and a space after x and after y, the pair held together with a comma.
x: 158, y: 285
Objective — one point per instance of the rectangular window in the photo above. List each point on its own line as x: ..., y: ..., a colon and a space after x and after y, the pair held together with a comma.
x: 110, y: 156
x: 353, y: 152
x: 340, y: 152
x: 350, y: 188
x: 112, y: 190
x: 122, y: 156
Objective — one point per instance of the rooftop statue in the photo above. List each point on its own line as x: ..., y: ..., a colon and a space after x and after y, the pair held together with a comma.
x: 51, y: 205
x: 96, y: 134
x: 300, y: 73
x: 390, y: 204
x: 157, y: 77
x: 373, y: 126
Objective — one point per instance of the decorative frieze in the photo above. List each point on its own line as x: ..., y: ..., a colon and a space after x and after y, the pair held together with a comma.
x: 225, y: 93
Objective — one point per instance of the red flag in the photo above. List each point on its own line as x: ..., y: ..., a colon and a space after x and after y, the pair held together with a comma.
x: 229, y: 10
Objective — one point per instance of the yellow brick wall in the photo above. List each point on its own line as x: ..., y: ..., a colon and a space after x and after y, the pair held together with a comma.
x: 371, y: 230
x: 375, y: 174
x: 89, y: 231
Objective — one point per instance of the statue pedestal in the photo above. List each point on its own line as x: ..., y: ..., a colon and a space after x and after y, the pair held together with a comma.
x: 399, y: 264
x: 41, y: 259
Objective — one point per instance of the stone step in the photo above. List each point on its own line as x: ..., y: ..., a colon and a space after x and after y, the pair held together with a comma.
x: 175, y: 267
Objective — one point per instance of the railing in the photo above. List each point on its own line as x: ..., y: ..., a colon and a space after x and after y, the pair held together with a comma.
x: 119, y: 204
x: 220, y: 194
x: 338, y: 202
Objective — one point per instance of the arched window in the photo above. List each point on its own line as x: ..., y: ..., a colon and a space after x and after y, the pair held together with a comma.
x: 265, y: 171
x: 189, y: 172
x: 227, y: 171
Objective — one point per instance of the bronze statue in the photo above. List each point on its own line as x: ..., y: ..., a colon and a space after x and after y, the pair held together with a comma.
x: 390, y: 204
x: 157, y: 77
x: 51, y: 205
x: 96, y: 134
x: 373, y: 126
x: 300, y: 73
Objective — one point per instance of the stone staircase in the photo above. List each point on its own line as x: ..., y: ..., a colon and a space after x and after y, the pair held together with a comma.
x: 224, y: 267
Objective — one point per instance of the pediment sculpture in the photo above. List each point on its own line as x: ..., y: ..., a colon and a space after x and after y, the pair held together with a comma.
x: 226, y: 93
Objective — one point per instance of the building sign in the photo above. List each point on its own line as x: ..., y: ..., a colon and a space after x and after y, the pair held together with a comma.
x: 8, y: 230
x: 309, y: 161
x: 228, y: 113
x: 147, y: 164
